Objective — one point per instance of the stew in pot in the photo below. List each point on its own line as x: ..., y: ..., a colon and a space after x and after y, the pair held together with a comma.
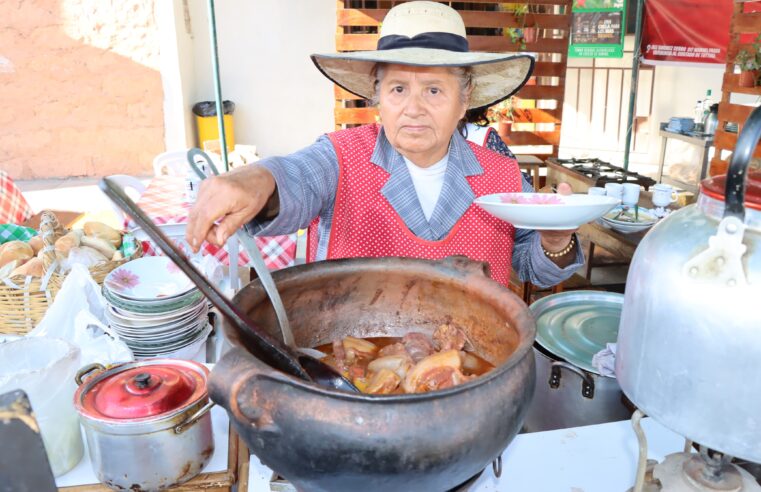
x: 414, y: 363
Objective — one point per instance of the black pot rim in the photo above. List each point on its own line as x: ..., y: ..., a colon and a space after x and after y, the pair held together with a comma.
x: 520, y: 352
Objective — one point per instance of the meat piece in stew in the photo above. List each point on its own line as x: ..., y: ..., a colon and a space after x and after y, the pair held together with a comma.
x: 383, y: 382
x: 387, y: 365
x: 417, y: 345
x: 438, y: 371
x: 448, y: 337
x: 393, y: 349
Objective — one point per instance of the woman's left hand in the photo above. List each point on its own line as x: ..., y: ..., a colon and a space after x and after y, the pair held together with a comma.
x: 556, y: 241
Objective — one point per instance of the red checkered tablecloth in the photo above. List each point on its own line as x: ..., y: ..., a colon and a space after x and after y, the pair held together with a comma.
x: 13, y: 207
x: 164, y: 201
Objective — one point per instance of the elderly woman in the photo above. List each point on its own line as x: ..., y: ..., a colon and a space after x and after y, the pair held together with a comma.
x: 404, y: 187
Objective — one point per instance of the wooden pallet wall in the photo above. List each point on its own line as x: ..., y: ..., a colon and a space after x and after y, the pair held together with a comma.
x: 744, y: 22
x: 539, y: 123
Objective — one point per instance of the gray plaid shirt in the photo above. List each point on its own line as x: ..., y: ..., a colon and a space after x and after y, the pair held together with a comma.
x: 307, y: 181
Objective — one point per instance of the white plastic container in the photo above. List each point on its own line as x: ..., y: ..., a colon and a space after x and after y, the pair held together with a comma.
x: 45, y: 368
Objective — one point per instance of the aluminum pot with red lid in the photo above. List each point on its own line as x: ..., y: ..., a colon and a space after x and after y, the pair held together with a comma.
x: 147, y: 423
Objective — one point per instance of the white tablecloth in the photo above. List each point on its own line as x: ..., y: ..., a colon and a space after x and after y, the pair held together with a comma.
x: 596, y: 458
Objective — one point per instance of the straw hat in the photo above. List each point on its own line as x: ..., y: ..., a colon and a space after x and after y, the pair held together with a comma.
x: 428, y: 34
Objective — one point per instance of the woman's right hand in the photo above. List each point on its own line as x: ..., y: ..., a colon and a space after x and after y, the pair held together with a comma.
x: 226, y: 202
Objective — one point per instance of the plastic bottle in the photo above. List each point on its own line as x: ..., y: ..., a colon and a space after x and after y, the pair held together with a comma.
x: 698, y: 113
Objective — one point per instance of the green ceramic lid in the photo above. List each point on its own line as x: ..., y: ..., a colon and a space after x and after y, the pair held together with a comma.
x: 575, y: 325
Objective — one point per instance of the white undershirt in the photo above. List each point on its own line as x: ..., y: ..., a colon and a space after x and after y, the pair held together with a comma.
x: 428, y: 182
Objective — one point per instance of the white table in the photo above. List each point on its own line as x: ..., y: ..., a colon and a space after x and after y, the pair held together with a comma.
x: 596, y: 458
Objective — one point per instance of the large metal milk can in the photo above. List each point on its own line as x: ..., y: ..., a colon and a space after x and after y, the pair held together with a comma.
x: 689, y: 343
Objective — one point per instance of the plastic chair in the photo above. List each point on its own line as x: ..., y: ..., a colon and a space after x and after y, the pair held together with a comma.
x: 132, y: 186
x: 172, y: 163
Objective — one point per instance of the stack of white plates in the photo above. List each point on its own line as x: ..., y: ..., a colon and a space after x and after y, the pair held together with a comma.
x: 156, y: 310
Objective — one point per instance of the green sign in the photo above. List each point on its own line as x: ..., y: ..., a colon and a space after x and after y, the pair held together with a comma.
x: 597, y: 29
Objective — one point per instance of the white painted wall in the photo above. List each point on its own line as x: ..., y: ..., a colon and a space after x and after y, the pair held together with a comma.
x: 176, y: 63
x: 282, y: 101
x: 676, y: 89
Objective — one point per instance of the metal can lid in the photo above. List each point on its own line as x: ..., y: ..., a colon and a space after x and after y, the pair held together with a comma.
x: 139, y: 391
x: 714, y: 187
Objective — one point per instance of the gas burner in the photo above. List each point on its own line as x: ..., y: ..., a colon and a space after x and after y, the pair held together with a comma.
x: 595, y: 172
x: 707, y: 471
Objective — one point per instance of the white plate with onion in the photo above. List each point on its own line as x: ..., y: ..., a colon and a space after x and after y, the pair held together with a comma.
x: 546, y: 211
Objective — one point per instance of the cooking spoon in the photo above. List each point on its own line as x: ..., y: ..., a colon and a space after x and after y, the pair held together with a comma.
x: 262, y: 344
x: 257, y: 261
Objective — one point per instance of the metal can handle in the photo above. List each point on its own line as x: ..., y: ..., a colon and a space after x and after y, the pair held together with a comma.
x: 180, y: 428
x: 737, y: 173
x: 79, y: 378
x: 587, y: 383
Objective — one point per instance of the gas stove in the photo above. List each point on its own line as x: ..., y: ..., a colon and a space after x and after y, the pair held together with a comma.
x: 582, y: 174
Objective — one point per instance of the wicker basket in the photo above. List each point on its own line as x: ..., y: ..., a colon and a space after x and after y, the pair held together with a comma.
x: 24, y: 300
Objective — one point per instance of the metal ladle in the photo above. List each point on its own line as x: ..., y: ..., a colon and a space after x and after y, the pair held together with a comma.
x: 267, y: 348
x: 265, y: 277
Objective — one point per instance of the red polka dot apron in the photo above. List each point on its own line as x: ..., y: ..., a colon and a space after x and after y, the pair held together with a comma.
x: 366, y: 225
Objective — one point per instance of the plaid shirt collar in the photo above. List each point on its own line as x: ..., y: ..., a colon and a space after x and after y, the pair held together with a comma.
x: 456, y: 194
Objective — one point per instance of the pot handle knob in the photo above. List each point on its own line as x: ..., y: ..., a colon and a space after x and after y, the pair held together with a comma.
x: 737, y: 173
x: 587, y: 384
x: 465, y: 264
x: 89, y: 368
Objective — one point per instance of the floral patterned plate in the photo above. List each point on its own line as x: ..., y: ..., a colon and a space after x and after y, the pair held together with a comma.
x: 148, y: 278
x: 546, y: 211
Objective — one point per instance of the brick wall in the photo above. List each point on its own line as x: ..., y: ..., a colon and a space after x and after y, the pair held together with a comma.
x: 80, y: 88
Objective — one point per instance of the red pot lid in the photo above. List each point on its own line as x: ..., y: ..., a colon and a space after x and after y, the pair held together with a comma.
x: 714, y: 187
x: 146, y: 391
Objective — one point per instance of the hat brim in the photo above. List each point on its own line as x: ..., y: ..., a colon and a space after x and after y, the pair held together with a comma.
x: 496, y: 76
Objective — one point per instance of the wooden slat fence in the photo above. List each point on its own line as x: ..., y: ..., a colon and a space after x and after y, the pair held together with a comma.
x: 537, y: 117
x: 743, y: 23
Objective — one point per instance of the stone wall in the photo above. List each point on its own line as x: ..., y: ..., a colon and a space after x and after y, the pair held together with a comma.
x: 80, y: 88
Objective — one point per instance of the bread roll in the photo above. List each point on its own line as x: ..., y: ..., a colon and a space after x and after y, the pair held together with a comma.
x: 32, y: 267
x: 15, y: 250
x: 36, y: 244
x: 102, y: 231
x: 64, y: 244
x: 101, y: 245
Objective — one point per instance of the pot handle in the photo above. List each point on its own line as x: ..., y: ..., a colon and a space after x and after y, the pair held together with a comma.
x: 89, y: 368
x: 737, y: 173
x: 587, y: 383
x: 465, y: 264
x: 230, y: 384
x: 180, y: 428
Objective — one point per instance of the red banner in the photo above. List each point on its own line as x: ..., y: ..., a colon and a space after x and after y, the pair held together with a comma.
x: 686, y: 31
